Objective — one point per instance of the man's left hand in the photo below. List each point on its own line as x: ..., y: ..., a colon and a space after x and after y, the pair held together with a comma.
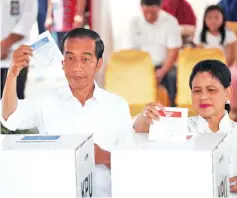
x: 233, y: 188
x: 5, y: 46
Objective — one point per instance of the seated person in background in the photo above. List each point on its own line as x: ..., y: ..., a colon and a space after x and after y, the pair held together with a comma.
x: 184, y: 13
x: 78, y: 107
x: 214, y: 33
x: 230, y: 9
x: 210, y: 99
x: 158, y: 33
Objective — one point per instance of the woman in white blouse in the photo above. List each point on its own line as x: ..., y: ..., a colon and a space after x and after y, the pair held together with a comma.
x: 211, y: 91
x: 214, y: 33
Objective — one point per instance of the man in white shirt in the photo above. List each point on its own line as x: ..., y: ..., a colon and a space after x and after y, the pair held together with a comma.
x: 159, y: 34
x: 78, y: 107
x: 17, y: 17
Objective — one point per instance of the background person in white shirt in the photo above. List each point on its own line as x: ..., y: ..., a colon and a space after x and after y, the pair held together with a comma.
x: 210, y: 99
x: 214, y: 33
x: 17, y: 18
x: 78, y: 107
x: 159, y: 34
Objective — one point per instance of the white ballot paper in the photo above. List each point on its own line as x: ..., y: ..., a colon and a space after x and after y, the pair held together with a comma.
x: 45, y: 51
x: 172, y: 126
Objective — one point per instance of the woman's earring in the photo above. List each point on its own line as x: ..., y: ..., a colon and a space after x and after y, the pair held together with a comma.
x: 227, y: 102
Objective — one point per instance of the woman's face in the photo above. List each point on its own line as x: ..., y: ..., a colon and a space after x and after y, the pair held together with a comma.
x: 208, y: 95
x: 214, y: 20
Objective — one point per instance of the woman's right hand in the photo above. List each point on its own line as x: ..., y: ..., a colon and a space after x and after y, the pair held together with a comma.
x: 150, y: 113
x: 20, y: 60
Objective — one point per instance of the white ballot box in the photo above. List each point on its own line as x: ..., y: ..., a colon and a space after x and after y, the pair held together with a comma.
x: 36, y: 166
x: 195, y: 169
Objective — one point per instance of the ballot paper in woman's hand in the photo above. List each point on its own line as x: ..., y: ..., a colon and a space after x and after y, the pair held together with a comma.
x: 45, y: 52
x: 172, y: 126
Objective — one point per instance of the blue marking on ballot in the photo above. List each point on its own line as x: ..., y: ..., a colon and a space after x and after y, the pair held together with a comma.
x: 39, y: 43
x: 40, y: 138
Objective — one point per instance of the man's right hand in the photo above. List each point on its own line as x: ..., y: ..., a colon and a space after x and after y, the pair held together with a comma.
x: 20, y: 60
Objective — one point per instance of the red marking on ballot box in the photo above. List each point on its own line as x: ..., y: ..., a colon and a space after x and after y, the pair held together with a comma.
x: 172, y: 114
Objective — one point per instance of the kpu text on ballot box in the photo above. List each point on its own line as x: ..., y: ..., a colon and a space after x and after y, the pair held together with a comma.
x: 35, y: 166
x: 195, y: 169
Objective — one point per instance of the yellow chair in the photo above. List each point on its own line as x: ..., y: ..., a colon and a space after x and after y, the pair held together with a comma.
x: 130, y: 74
x: 186, y: 61
x: 233, y: 26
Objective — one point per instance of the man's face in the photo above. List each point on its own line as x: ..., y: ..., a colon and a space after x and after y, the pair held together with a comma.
x: 150, y: 13
x: 80, y: 62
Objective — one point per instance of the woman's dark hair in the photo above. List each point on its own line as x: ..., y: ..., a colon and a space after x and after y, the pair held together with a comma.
x: 205, y: 28
x: 151, y: 2
x: 218, y: 70
x: 85, y: 33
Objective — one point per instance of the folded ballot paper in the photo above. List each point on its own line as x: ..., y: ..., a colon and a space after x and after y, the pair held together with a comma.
x: 172, y: 126
x: 45, y: 51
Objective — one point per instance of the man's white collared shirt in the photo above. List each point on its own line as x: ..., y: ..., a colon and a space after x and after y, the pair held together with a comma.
x: 106, y: 115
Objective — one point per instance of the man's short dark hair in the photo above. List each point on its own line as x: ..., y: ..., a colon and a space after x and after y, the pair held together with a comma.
x: 85, y: 33
x: 151, y: 2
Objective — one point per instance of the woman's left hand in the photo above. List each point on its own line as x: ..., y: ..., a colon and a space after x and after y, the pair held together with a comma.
x: 233, y: 188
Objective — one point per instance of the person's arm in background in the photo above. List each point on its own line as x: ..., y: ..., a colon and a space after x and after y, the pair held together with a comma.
x: 230, y: 45
x: 8, y: 42
x: 197, y: 39
x: 79, y: 15
x: 169, y: 62
x: 26, y: 22
x: 49, y: 16
x: 174, y: 43
x: 230, y: 53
